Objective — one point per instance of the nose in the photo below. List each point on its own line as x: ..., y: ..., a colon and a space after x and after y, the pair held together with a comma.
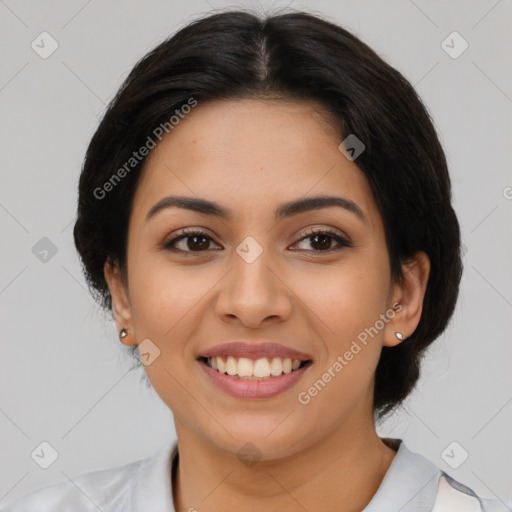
x: 254, y: 293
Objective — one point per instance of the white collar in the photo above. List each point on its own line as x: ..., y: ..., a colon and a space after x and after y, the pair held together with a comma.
x: 409, y: 485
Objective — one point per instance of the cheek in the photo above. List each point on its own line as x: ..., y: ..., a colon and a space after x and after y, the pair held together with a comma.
x: 346, y: 306
x: 347, y: 302
x: 162, y: 294
x: 164, y: 302
x: 346, y: 298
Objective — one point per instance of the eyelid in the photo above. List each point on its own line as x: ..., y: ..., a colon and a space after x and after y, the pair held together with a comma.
x: 312, y: 230
x: 187, y: 232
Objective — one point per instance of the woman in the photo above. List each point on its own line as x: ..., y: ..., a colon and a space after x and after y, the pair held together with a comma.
x: 266, y: 210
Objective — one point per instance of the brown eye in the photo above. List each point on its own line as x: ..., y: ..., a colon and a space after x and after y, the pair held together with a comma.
x: 189, y: 241
x: 321, y: 240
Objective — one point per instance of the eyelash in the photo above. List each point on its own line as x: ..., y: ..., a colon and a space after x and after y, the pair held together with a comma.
x: 191, y: 232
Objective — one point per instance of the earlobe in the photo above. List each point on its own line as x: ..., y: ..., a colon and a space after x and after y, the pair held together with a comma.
x: 120, y: 302
x: 409, y: 294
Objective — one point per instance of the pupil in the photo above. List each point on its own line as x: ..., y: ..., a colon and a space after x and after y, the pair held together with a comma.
x: 199, y: 246
x: 325, y: 241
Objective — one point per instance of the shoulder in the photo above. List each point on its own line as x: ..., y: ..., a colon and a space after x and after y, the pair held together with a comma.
x: 414, y: 483
x: 452, y: 493
x: 107, y: 490
x: 83, y: 493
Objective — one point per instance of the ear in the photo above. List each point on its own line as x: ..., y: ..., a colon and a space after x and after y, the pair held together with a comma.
x: 121, y: 306
x: 409, y: 295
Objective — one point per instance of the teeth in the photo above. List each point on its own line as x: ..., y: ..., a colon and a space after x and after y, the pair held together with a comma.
x: 261, y: 368
x: 245, y: 368
x: 250, y: 369
x: 276, y: 367
x: 231, y: 366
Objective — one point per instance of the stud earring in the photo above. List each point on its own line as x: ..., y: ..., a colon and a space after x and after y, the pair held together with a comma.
x: 399, y: 335
x: 123, y: 333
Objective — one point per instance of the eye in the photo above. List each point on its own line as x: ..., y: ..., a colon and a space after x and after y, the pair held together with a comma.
x: 191, y: 240
x: 322, y: 240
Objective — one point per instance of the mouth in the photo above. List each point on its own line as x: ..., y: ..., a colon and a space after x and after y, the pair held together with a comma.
x: 245, y: 368
x: 254, y: 371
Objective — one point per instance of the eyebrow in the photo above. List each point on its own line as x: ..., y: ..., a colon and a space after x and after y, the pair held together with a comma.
x: 283, y: 211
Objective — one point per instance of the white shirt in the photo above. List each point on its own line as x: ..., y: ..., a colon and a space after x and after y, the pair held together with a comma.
x: 411, y: 484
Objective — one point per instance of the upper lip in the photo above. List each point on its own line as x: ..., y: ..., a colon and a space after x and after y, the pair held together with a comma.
x: 254, y: 351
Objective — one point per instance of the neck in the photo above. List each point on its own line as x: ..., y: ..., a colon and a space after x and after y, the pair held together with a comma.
x: 344, y: 468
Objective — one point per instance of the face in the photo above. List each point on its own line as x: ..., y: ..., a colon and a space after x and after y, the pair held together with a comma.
x: 313, y: 280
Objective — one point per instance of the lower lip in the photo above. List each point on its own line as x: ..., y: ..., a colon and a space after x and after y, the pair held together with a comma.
x: 242, y: 388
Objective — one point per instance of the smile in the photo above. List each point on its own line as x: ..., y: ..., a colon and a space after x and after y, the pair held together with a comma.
x: 254, y: 369
x: 253, y: 386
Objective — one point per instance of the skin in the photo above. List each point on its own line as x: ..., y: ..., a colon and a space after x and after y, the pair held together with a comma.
x: 251, y: 156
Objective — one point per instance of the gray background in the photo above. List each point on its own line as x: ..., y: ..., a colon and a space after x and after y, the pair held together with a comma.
x: 65, y: 377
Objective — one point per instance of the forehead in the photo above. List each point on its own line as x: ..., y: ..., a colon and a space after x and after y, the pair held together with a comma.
x: 251, y: 154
